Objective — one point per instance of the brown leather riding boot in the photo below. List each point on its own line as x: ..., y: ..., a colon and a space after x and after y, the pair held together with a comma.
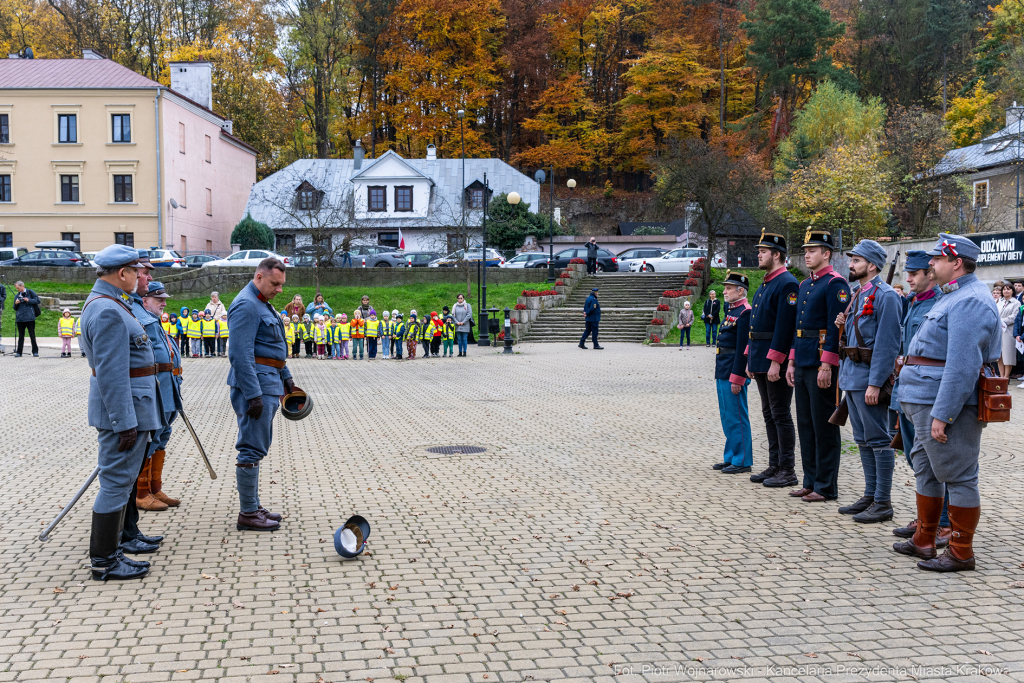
x: 959, y: 556
x: 156, y: 480
x: 922, y: 543
x: 144, y: 498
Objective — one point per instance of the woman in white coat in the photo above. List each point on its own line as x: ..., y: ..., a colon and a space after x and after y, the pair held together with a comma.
x: 1008, y: 308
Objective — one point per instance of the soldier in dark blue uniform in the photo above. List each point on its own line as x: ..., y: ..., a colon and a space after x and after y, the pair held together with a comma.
x: 814, y: 369
x: 731, y: 377
x: 124, y: 405
x: 871, y: 347
x: 771, y: 337
x: 258, y: 379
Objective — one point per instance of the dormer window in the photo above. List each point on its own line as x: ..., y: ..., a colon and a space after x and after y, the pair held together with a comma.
x: 376, y: 199
x: 476, y: 198
x: 307, y: 197
x: 403, y: 199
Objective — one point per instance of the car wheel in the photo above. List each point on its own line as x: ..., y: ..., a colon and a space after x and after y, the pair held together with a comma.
x: 382, y: 264
x: 649, y: 268
x: 600, y: 268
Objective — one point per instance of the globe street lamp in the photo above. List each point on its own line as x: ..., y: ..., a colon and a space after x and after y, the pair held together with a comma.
x: 539, y: 176
x: 513, y: 198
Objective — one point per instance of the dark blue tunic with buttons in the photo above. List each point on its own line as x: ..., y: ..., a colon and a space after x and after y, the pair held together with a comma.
x: 772, y: 320
x: 822, y: 297
x: 731, y: 362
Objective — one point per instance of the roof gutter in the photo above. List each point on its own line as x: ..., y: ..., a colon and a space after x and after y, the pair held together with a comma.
x: 159, y: 175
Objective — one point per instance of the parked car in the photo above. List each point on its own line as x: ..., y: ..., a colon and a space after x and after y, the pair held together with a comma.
x: 472, y: 255
x: 606, y: 260
x: 529, y: 260
x: 89, y: 256
x: 627, y: 257
x: 197, y: 260
x: 48, y: 257
x: 675, y: 261
x: 375, y: 255
x: 165, y: 258
x: 420, y: 259
x: 250, y: 258
x: 8, y: 253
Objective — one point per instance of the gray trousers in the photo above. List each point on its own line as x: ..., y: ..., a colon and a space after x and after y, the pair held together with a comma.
x: 254, y: 436
x: 952, y: 465
x: 118, y: 471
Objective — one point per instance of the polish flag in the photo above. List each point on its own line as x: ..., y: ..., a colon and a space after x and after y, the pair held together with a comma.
x: 401, y: 240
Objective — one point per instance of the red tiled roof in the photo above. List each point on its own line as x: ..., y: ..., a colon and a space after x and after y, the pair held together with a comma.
x: 69, y: 73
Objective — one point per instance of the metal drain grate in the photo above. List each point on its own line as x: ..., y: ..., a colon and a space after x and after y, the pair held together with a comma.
x: 456, y: 450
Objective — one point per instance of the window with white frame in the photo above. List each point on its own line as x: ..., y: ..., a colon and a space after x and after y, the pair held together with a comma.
x: 5, y: 129
x: 121, y: 127
x: 123, y: 189
x: 69, y: 188
x: 980, y: 194
x: 5, y: 188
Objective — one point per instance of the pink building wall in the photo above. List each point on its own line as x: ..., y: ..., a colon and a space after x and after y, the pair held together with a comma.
x: 219, y: 185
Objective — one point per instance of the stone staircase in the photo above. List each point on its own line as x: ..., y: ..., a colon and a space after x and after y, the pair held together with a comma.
x: 58, y: 302
x: 628, y: 302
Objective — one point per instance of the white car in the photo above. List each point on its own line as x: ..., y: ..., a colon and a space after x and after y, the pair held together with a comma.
x: 675, y: 261
x: 165, y: 258
x: 250, y: 258
x: 627, y: 257
x: 530, y: 260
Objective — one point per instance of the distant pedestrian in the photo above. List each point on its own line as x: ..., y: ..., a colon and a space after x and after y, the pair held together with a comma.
x: 685, y: 323
x: 592, y: 314
x: 592, y: 256
x: 216, y: 306
x: 26, y: 310
x: 296, y: 307
x: 462, y: 313
x: 712, y: 317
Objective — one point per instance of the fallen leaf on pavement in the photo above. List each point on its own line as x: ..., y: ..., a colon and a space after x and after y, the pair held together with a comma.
x: 58, y: 590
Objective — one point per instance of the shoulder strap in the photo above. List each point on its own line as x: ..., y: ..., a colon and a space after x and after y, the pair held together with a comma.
x: 105, y: 296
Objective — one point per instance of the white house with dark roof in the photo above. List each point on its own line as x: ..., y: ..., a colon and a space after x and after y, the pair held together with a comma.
x: 436, y: 204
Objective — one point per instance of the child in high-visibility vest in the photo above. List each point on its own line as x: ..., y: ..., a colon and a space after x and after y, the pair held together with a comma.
x: 182, y: 338
x: 386, y: 325
x: 194, y: 332
x: 296, y: 338
x: 372, y: 335
x: 222, y: 335
x: 412, y: 335
x: 358, y: 333
x: 425, y: 334
x: 436, y: 333
x: 78, y: 333
x: 336, y: 337
x: 307, y: 334
x: 66, y: 332
x: 320, y: 337
x: 344, y: 331
x: 449, y: 336
x: 209, y: 327
x: 397, y: 335
x: 289, y: 335
x: 170, y: 329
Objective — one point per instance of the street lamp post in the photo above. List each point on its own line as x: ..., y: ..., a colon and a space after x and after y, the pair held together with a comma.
x: 539, y: 177
x: 513, y: 198
x: 174, y: 205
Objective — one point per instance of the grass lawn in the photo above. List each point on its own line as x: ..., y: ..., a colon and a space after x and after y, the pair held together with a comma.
x: 423, y: 298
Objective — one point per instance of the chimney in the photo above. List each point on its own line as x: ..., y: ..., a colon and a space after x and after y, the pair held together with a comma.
x: 357, y: 155
x: 194, y: 80
x: 228, y: 126
x: 431, y: 153
x: 1013, y: 114
x: 89, y: 53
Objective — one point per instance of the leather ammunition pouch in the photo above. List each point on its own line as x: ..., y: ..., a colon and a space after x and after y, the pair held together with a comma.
x: 994, y: 402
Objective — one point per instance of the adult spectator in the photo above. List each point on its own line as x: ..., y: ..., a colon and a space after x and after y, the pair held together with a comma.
x: 592, y: 314
x: 592, y: 255
x: 1008, y: 308
x: 1018, y: 291
x: 26, y: 310
x: 319, y: 306
x: 365, y: 309
x: 215, y: 306
x: 712, y: 316
x: 296, y: 307
x: 462, y: 313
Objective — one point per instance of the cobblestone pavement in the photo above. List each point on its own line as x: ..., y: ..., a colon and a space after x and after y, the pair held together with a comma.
x: 590, y: 539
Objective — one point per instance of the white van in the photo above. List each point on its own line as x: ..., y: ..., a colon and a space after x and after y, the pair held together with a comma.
x: 7, y: 253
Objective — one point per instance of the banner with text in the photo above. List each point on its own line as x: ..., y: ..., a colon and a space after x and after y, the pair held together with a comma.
x: 999, y: 248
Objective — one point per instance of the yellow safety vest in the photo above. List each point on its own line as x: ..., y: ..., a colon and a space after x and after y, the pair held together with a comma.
x: 223, y: 329
x: 449, y: 331
x: 289, y: 333
x: 170, y: 329
x: 77, y: 328
x: 412, y: 331
x: 398, y: 331
x: 209, y: 328
x: 65, y: 327
x: 307, y: 331
x: 320, y: 335
x: 372, y: 328
x: 344, y: 331
x: 194, y: 329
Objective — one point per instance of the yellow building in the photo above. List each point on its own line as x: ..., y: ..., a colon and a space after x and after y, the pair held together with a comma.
x: 92, y: 152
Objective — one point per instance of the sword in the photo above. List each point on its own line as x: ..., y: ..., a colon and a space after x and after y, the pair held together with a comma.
x: 184, y: 417
x: 81, y: 492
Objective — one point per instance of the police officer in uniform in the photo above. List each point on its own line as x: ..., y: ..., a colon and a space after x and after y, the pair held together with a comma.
x: 814, y: 368
x: 872, y: 344
x: 168, y: 366
x: 731, y: 379
x: 939, y: 393
x: 771, y: 336
x: 258, y: 379
x: 124, y: 405
x: 924, y: 295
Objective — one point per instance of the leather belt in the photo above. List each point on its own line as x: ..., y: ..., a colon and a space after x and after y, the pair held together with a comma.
x: 809, y: 333
x: 272, y: 362
x: 762, y: 335
x: 724, y: 351
x: 137, y: 372
x: 176, y: 372
x: 921, y: 360
x: 165, y: 367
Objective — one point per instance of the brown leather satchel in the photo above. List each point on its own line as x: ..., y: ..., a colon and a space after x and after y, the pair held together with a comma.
x: 994, y: 401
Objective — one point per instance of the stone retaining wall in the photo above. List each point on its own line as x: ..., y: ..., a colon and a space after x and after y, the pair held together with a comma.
x: 523, y: 320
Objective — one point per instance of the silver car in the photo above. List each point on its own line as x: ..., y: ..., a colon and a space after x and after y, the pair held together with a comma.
x: 531, y: 260
x: 639, y: 255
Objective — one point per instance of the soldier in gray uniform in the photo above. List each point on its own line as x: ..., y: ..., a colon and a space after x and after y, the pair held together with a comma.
x: 939, y: 393
x: 258, y: 379
x: 168, y: 374
x: 124, y: 405
x: 872, y: 344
